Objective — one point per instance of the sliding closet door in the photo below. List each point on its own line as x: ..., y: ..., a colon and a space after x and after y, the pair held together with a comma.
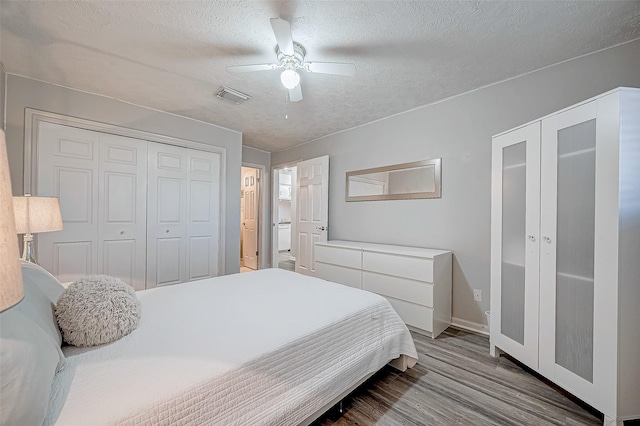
x: 203, y: 214
x: 100, y: 180
x: 67, y: 168
x: 123, y: 203
x: 166, y: 215
x: 183, y: 215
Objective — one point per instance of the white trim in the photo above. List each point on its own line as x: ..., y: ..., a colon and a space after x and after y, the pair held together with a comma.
x: 275, y: 183
x: 470, y: 326
x: 33, y: 118
x: 263, y: 208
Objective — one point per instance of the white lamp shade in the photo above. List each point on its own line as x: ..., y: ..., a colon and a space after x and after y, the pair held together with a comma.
x: 37, y: 214
x: 290, y: 79
x: 10, y: 272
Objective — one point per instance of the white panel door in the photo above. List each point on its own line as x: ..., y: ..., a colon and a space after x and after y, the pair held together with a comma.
x: 250, y: 218
x: 312, y: 210
x: 166, y: 215
x: 67, y: 168
x: 515, y: 245
x: 203, y: 215
x: 123, y: 209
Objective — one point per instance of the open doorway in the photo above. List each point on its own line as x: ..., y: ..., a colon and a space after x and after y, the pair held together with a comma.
x: 250, y: 201
x: 284, y: 209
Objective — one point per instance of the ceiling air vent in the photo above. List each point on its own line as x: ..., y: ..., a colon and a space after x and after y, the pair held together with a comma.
x: 232, y: 95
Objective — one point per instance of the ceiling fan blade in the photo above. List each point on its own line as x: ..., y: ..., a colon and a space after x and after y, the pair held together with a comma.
x: 331, y: 68
x: 282, y: 31
x: 252, y: 68
x: 295, y: 94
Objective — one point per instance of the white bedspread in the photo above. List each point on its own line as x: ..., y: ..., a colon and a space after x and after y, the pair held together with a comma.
x: 269, y: 347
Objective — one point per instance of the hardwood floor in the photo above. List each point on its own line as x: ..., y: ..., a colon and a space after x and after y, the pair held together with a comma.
x: 457, y: 382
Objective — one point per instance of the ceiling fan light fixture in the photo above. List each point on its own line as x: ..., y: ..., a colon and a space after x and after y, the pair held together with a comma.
x: 290, y: 78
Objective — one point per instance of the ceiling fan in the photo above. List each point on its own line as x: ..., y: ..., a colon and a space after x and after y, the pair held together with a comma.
x: 291, y: 58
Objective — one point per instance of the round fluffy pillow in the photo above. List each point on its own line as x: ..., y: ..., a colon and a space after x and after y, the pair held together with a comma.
x: 97, y: 310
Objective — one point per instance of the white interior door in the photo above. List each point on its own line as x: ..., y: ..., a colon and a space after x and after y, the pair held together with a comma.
x: 122, y: 219
x: 67, y: 168
x: 166, y: 215
x: 312, y: 210
x: 250, y: 217
x: 515, y: 246
x: 203, y: 215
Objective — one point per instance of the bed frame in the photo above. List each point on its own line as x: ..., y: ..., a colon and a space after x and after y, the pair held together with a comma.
x: 400, y: 363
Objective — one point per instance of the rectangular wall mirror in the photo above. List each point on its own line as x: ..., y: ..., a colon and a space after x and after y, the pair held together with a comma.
x: 420, y: 179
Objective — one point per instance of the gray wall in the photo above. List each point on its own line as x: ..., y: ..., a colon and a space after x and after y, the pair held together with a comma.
x: 253, y: 157
x: 26, y: 93
x: 459, y: 130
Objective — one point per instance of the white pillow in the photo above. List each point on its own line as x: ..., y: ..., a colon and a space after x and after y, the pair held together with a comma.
x: 97, y: 310
x: 30, y: 351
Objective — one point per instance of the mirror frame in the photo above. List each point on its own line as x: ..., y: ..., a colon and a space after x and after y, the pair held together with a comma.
x: 437, y: 169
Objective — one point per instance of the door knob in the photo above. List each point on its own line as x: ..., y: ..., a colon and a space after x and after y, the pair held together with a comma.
x: 532, y: 238
x: 323, y: 228
x: 547, y: 240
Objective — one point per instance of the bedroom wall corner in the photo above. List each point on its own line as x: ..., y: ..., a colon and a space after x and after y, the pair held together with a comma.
x: 253, y: 157
x: 22, y: 92
x: 458, y: 130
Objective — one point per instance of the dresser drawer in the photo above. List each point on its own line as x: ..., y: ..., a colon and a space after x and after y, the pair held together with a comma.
x: 351, y: 258
x: 415, y: 315
x: 339, y: 274
x: 418, y: 292
x: 415, y: 268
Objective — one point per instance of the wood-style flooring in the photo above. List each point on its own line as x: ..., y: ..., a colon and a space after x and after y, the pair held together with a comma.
x: 457, y: 382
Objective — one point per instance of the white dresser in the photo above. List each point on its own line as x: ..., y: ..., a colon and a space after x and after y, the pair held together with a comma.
x: 416, y: 281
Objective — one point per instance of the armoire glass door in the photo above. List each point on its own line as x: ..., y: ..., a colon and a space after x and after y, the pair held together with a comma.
x: 574, y: 248
x: 515, y: 225
x: 568, y: 182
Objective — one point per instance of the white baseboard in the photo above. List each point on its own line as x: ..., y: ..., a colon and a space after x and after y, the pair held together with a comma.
x: 470, y: 326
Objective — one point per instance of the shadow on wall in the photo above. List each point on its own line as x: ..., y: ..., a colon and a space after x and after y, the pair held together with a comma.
x: 463, y: 291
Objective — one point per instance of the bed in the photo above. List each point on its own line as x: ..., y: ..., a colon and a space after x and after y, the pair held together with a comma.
x: 269, y: 347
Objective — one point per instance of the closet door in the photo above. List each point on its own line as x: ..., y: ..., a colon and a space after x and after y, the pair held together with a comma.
x: 123, y: 203
x: 67, y: 168
x: 203, y: 215
x: 166, y: 215
x: 515, y: 215
x: 568, y: 229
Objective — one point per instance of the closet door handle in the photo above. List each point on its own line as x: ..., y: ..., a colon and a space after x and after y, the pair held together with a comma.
x: 532, y: 238
x: 546, y: 240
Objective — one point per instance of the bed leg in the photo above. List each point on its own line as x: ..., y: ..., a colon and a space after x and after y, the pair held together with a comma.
x: 399, y: 363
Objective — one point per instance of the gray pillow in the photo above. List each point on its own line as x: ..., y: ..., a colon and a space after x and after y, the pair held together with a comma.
x: 97, y: 310
x: 30, y: 351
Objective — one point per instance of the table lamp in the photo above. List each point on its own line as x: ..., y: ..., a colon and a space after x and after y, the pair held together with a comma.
x: 34, y: 215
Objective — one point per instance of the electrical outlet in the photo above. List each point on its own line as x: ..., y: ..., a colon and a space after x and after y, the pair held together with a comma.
x: 477, y: 295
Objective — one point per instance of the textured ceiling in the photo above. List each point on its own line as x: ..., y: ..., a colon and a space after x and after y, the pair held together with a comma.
x: 172, y: 55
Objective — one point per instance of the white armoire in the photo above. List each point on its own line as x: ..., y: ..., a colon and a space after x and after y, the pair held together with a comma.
x: 565, y: 250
